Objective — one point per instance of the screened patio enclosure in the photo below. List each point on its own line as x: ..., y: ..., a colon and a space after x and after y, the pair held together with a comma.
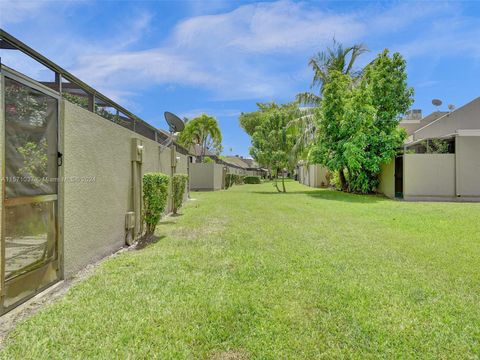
x: 72, y: 161
x: 30, y: 201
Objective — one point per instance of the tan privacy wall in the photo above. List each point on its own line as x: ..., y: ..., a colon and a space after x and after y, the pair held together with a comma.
x: 217, y: 176
x: 206, y: 176
x: 387, y: 180
x: 94, y: 211
x: 429, y: 176
x: 467, y: 150
x: 313, y: 175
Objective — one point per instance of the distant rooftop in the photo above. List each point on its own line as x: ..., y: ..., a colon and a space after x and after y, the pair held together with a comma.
x: 413, y: 123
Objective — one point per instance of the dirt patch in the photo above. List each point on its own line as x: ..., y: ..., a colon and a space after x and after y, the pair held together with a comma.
x: 144, y: 241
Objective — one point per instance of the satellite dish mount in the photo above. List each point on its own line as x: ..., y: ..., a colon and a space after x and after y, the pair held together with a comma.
x: 175, y: 125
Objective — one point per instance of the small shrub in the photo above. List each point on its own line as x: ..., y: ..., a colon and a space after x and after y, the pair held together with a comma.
x: 179, y: 182
x: 155, y: 195
x: 239, y: 179
x: 231, y: 179
x: 251, y: 180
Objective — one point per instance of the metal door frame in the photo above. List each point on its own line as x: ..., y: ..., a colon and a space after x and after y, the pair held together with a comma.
x: 6, y: 72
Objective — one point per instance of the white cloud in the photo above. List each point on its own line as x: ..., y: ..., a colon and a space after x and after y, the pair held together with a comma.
x: 15, y: 11
x: 281, y: 26
x: 255, y: 51
x: 140, y: 68
x: 223, y: 52
x: 452, y: 36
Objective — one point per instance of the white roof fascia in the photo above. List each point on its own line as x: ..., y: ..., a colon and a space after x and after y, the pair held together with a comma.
x: 468, y: 132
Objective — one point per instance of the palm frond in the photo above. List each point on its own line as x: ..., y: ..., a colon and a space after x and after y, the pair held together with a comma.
x: 308, y: 99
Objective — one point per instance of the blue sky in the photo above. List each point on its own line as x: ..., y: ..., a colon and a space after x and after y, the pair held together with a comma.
x: 222, y: 57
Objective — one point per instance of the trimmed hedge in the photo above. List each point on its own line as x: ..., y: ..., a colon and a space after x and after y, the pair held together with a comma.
x: 155, y: 196
x: 179, y: 182
x: 251, y: 180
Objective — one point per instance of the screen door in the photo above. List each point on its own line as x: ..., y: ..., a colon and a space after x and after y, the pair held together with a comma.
x: 30, y: 191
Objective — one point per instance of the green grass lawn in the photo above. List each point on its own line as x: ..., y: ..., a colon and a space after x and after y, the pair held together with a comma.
x: 248, y: 273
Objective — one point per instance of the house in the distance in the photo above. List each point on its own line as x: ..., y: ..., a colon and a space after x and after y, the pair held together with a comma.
x: 440, y: 160
x: 248, y: 166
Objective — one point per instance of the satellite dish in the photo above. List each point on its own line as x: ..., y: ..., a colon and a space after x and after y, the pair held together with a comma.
x: 451, y: 107
x: 175, y: 125
x: 437, y: 102
x: 174, y: 122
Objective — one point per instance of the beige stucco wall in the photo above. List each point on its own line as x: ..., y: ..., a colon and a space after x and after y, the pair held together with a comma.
x: 94, y: 213
x: 182, y: 168
x: 217, y: 176
x: 429, y: 176
x: 467, y: 150
x: 201, y: 176
x: 206, y: 176
x: 387, y: 180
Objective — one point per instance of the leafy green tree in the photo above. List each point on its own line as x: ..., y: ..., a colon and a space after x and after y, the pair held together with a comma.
x: 272, y: 143
x: 334, y: 59
x: 333, y: 131
x: 250, y: 121
x: 204, y: 131
x: 385, y: 79
x: 358, y: 121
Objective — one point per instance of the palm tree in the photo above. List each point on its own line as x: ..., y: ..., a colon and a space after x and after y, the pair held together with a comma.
x: 335, y: 58
x: 323, y: 63
x: 204, y: 131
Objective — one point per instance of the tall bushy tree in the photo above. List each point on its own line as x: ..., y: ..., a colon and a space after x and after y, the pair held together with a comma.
x: 332, y: 126
x: 385, y: 88
x: 335, y: 59
x: 272, y: 143
x: 358, y: 121
x: 250, y: 121
x: 204, y: 131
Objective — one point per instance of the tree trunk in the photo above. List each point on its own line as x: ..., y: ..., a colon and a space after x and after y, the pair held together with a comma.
x: 276, y: 179
x: 203, y: 149
x: 343, y: 181
x: 283, y: 182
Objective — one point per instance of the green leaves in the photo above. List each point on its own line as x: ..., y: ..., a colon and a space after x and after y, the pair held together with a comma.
x: 155, y: 194
x: 358, y: 121
x: 252, y: 180
x: 204, y: 131
x: 179, y: 182
x: 273, y: 141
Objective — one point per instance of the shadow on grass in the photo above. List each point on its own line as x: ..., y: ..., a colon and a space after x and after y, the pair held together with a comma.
x: 331, y: 195
x: 176, y: 215
x: 148, y: 240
